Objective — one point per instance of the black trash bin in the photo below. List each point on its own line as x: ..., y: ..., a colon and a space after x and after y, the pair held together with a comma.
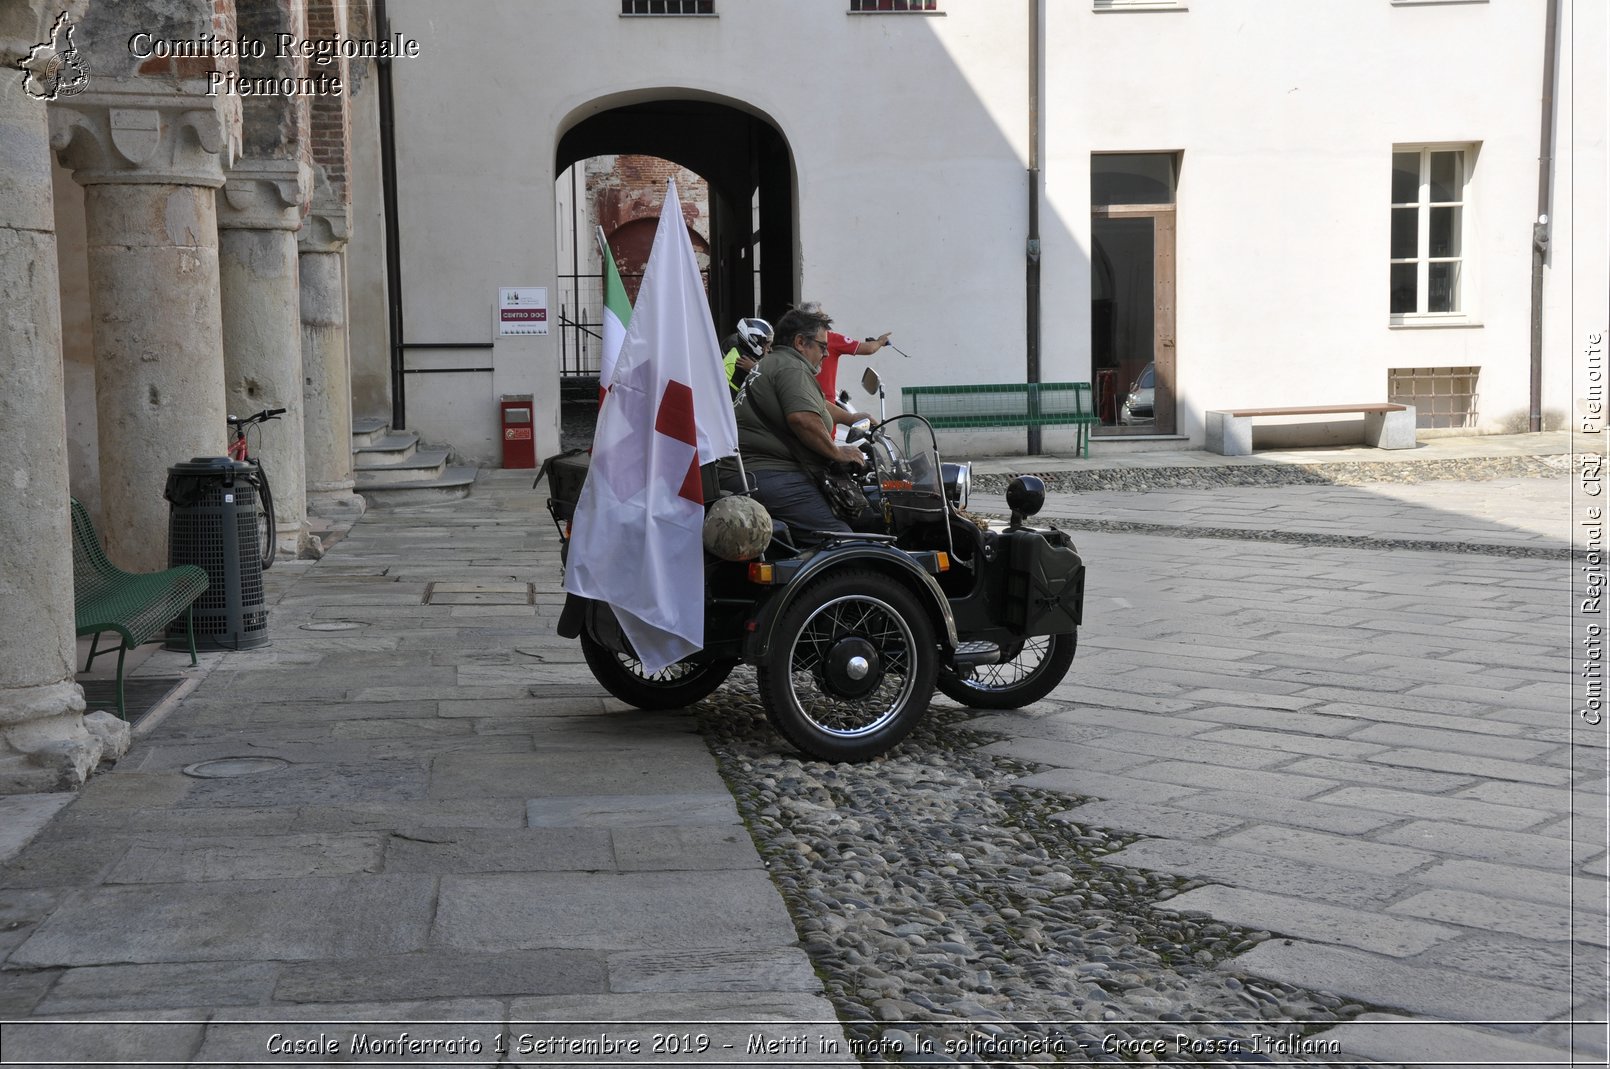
x: 212, y: 522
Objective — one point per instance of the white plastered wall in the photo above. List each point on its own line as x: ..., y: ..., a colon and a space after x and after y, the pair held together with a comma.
x: 909, y: 192
x: 909, y: 137
x: 1286, y: 116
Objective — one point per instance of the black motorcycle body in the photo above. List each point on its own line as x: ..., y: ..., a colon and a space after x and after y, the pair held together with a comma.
x: 850, y: 635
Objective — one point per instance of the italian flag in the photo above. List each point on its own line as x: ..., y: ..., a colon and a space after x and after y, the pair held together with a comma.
x: 617, y: 314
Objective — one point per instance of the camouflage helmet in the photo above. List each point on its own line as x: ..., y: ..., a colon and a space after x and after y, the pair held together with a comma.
x: 737, y: 528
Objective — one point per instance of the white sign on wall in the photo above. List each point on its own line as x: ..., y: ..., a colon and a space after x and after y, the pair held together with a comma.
x: 523, y: 310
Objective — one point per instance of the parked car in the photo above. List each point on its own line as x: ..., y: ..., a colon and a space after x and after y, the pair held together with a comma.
x: 1137, y: 406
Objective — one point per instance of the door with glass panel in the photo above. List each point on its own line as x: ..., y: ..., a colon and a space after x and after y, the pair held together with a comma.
x: 1132, y: 346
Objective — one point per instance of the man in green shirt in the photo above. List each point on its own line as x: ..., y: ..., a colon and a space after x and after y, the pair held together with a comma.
x: 785, y: 431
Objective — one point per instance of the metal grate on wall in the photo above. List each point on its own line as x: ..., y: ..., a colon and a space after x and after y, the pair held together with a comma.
x: 894, y: 5
x: 668, y: 7
x: 1443, y: 397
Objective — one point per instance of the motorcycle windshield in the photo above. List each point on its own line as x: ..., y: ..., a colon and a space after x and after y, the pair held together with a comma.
x: 907, y: 461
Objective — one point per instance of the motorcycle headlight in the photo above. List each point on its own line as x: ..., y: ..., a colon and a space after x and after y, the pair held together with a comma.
x: 958, y: 480
x: 1025, y: 494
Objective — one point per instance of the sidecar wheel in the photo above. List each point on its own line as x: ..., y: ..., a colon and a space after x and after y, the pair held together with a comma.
x: 851, y: 668
x: 673, y: 688
x: 1030, y: 675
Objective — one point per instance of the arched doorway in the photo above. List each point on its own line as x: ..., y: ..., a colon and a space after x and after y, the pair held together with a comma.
x: 748, y: 169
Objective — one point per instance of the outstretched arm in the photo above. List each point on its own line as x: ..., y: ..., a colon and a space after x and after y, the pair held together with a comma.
x: 872, y: 345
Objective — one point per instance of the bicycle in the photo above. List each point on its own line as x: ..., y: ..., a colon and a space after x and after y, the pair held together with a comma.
x: 240, y: 449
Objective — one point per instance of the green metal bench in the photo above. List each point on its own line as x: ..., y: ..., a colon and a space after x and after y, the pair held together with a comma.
x: 135, y: 607
x: 1033, y: 404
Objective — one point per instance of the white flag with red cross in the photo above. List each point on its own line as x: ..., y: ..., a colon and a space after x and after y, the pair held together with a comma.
x: 637, y: 536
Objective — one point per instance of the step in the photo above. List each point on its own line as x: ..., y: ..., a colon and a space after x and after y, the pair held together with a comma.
x: 454, y: 484
x: 392, y: 446
x: 418, y: 466
x: 1110, y: 444
x: 367, y: 429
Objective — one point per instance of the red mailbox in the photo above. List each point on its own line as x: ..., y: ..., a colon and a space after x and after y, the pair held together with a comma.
x: 519, y: 447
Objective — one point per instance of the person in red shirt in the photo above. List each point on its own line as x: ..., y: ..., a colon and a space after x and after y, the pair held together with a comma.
x: 840, y: 345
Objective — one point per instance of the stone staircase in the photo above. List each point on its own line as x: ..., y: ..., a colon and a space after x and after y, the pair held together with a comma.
x: 392, y: 470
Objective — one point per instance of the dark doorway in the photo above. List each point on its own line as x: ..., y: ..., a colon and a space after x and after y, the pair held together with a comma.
x: 1132, y: 291
x: 749, y: 171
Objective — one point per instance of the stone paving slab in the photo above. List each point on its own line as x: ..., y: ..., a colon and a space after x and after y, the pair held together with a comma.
x: 679, y: 765
x: 260, y: 920
x: 1501, y: 913
x: 633, y: 810
x: 445, y: 974
x: 1315, y: 921
x: 153, y: 859
x: 609, y: 911
x: 1393, y: 1039
x: 101, y: 988
x: 108, y: 1038
x: 779, y: 969
x: 1374, y: 978
x: 1254, y: 871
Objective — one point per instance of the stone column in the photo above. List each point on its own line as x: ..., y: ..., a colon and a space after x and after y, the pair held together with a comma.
x: 259, y: 213
x: 44, y: 743
x: 326, y: 362
x: 149, y: 163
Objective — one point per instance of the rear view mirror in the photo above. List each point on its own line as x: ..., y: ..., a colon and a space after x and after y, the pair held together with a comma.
x: 870, y: 382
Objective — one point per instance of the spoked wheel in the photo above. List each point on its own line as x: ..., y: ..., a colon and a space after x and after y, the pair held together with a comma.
x: 851, y: 667
x: 266, y: 533
x: 1031, y: 673
x: 678, y: 685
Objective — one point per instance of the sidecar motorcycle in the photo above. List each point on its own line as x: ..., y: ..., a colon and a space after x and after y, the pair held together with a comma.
x: 849, y: 637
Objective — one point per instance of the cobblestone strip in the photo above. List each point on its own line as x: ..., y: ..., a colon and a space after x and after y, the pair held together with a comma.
x: 957, y: 919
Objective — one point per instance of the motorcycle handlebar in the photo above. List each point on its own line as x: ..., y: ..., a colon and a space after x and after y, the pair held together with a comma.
x: 262, y: 417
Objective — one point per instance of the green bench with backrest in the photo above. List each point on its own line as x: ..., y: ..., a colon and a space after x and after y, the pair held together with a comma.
x: 1017, y: 404
x: 134, y: 607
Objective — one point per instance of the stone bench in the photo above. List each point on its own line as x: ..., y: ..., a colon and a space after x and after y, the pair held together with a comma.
x: 1386, y: 426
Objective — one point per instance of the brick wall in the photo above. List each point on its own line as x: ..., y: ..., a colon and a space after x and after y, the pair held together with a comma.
x: 329, y: 123
x: 274, y: 127
x: 216, y: 17
x: 624, y: 194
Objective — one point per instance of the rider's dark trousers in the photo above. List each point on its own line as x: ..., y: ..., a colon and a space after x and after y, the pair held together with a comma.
x: 794, y: 498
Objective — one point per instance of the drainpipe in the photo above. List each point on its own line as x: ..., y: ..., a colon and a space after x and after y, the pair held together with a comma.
x: 388, y: 197
x: 1540, y: 226
x: 1032, y: 265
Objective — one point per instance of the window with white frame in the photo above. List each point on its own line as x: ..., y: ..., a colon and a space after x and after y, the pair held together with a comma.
x: 1428, y: 226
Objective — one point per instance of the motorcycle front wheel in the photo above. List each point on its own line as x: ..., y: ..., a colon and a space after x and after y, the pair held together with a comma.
x: 851, y: 667
x: 676, y: 686
x: 1031, y: 673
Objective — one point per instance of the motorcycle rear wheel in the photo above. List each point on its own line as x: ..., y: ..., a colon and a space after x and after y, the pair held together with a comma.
x: 851, y: 669
x: 677, y: 686
x: 1029, y: 675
